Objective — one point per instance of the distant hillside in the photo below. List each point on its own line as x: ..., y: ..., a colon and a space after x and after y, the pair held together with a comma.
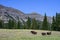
x: 7, y: 13
x: 39, y: 17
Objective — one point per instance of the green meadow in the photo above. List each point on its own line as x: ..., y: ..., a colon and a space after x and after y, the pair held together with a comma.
x: 25, y: 34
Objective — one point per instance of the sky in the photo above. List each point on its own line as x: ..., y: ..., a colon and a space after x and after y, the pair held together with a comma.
x: 50, y: 7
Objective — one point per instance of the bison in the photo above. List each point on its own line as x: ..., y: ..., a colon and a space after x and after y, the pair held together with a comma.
x: 33, y: 32
x: 48, y: 33
x: 43, y: 33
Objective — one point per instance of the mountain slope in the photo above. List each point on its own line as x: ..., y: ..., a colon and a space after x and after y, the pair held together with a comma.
x: 7, y: 13
x: 39, y: 17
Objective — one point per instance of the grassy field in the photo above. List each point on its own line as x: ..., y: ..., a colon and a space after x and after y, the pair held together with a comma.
x: 24, y: 34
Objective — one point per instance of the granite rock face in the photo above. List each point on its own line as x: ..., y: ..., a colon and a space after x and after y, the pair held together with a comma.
x: 7, y: 13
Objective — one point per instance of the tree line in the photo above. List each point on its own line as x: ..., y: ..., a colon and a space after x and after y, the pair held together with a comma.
x: 33, y: 24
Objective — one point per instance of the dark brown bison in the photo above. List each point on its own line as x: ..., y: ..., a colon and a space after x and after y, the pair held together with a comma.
x: 48, y: 33
x: 33, y: 32
x: 43, y: 33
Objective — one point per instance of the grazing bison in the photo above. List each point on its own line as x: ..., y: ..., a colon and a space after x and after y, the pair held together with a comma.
x: 48, y: 33
x: 43, y: 33
x: 33, y: 32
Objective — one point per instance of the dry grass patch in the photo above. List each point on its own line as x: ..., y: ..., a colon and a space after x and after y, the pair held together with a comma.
x: 24, y: 34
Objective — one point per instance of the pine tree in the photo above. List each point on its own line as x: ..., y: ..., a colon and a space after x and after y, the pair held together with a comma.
x: 15, y: 25
x: 19, y: 24
x: 57, y: 22
x: 24, y: 26
x: 38, y: 24
x: 28, y: 23
x: 34, y: 24
x: 11, y: 24
x: 1, y: 24
x: 53, y: 24
x: 45, y: 23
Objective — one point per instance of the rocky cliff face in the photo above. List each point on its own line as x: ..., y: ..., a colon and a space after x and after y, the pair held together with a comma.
x: 7, y: 13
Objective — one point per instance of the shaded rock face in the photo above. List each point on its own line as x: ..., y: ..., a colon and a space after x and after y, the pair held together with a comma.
x: 7, y: 13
